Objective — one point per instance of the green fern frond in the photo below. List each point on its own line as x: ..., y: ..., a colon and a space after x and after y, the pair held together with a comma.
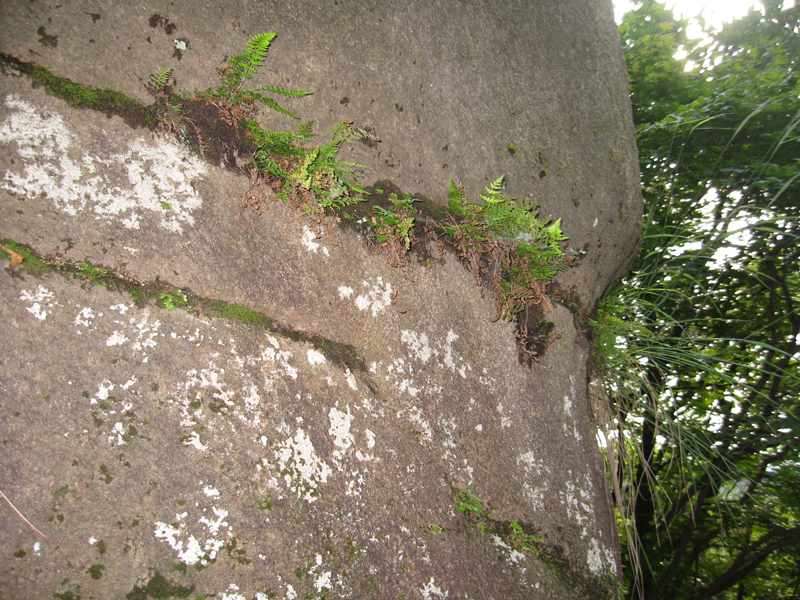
x: 271, y: 103
x: 458, y: 201
x: 266, y: 164
x: 386, y: 215
x: 283, y: 91
x: 242, y: 67
x: 160, y: 79
x: 494, y: 193
x: 554, y: 232
x: 255, y: 53
x: 304, y: 130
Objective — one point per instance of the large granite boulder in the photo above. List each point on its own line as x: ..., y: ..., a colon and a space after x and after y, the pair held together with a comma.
x: 304, y: 419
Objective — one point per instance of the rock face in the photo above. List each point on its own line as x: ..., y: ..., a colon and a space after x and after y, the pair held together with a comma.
x: 309, y: 425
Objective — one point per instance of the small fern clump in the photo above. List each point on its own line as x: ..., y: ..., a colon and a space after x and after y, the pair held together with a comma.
x: 329, y: 179
x: 313, y: 179
x: 242, y: 67
x: 523, y: 251
x: 394, y: 225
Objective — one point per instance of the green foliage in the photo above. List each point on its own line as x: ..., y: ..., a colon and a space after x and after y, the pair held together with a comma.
x: 469, y: 505
x: 271, y: 146
x: 525, y: 248
x: 521, y: 541
x: 81, y: 96
x: 91, y: 272
x: 396, y: 222
x: 240, y: 313
x: 699, y: 348
x: 315, y: 178
x: 159, y: 81
x: 242, y: 67
x: 31, y: 263
x: 173, y: 299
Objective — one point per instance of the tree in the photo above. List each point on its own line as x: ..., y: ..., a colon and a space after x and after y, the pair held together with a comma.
x: 707, y: 321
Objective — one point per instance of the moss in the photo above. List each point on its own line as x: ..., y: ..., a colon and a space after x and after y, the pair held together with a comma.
x: 343, y: 355
x: 31, y: 263
x: 242, y: 314
x: 96, y: 571
x: 76, y: 95
x: 159, y: 588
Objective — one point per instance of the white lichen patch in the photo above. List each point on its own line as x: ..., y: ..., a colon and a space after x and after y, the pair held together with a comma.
x: 514, y: 555
x: 431, y: 591
x: 322, y: 580
x: 104, y: 389
x: 345, y: 292
x: 600, y: 559
x: 578, y: 501
x: 570, y: 424
x: 376, y: 298
x: 315, y: 357
x: 505, y: 420
x: 352, y: 383
x: 420, y: 348
x: 41, y: 302
x: 85, y: 318
x: 233, y: 593
x: 193, y: 439
x: 308, y: 240
x: 196, y: 540
x: 422, y: 426
x: 153, y: 176
x: 138, y: 335
x: 117, y: 338
x: 534, y: 470
x: 339, y: 429
x: 303, y: 470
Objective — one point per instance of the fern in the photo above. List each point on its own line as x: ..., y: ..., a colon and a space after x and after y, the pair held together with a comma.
x: 242, y: 67
x: 159, y: 81
x: 493, y: 192
x: 397, y: 222
x: 525, y: 247
x: 319, y: 178
x: 331, y: 180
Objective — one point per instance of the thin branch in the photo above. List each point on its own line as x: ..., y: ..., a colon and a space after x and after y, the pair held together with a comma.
x: 21, y: 516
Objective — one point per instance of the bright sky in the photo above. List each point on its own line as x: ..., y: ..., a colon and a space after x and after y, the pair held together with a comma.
x: 715, y: 11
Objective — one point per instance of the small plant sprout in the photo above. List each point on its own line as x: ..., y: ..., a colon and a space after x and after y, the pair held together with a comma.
x: 522, y: 541
x: 174, y: 299
x: 469, y: 505
x: 159, y: 81
x: 91, y: 272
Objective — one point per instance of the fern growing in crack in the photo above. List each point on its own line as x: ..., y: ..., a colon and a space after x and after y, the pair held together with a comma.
x: 316, y: 177
x: 395, y: 224
x: 523, y: 248
x: 331, y: 180
x: 242, y: 67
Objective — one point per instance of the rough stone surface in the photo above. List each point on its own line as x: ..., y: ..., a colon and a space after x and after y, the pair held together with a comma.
x: 165, y: 451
